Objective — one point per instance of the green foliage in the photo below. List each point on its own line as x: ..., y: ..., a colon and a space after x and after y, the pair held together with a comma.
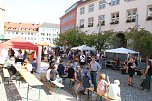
x: 74, y: 38
x: 70, y: 38
x: 140, y: 40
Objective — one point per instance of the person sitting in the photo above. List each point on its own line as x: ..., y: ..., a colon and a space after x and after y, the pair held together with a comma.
x: 61, y: 69
x: 71, y: 72
x: 102, y: 87
x: 9, y: 64
x: 114, y: 91
x: 27, y: 65
x: 52, y: 74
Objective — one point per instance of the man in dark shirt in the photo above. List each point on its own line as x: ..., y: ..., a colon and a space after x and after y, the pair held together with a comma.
x: 71, y: 71
x: 61, y: 68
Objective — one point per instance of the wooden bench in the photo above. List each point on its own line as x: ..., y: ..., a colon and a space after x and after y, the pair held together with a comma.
x: 58, y: 85
x: 123, y: 70
x: 6, y: 74
x: 139, y: 71
x: 71, y: 82
x: 32, y: 81
x: 101, y: 97
x: 63, y: 76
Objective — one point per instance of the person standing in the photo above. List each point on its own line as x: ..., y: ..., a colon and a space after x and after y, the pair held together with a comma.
x: 61, y: 69
x: 131, y: 71
x: 148, y: 73
x: 82, y: 60
x: 94, y: 68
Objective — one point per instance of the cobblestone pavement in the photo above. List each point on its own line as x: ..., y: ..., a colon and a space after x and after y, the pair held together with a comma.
x: 127, y: 93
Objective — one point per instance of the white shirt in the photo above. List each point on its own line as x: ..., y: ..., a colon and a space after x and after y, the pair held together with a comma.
x: 29, y: 67
x: 82, y: 58
x: 114, y: 91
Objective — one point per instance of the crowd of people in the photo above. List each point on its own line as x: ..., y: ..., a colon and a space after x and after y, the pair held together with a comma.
x: 83, y: 67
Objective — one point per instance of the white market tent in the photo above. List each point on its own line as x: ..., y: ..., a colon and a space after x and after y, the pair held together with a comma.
x: 84, y: 47
x: 122, y: 51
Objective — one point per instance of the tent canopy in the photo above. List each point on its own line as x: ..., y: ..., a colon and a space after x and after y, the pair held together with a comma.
x: 18, y: 43
x: 46, y: 44
x: 122, y: 51
x: 84, y: 47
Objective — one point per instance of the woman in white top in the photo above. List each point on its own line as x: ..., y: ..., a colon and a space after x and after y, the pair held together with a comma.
x: 102, y: 87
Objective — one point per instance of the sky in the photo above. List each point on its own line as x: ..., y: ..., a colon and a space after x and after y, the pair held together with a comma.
x: 36, y: 11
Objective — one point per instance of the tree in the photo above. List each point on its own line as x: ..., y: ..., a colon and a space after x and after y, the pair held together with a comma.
x: 70, y: 38
x: 140, y: 40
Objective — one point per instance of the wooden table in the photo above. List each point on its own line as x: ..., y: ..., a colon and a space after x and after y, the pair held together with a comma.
x: 30, y: 79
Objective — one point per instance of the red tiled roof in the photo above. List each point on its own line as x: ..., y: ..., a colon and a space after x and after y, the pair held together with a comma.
x: 22, y: 27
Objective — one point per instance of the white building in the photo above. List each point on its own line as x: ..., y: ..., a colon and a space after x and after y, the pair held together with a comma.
x: 35, y: 33
x: 48, y: 32
x: 94, y: 16
x: 26, y: 31
x: 2, y: 13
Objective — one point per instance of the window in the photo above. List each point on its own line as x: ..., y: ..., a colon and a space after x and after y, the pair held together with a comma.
x: 91, y: 8
x: 42, y: 39
x: 149, y: 13
x: 28, y: 33
x: 131, y: 15
x: 31, y: 33
x: 101, y: 20
x: 82, y: 10
x: 82, y: 23
x: 42, y: 34
x: 115, y: 2
x: 115, y: 18
x: 102, y: 4
x: 90, y: 22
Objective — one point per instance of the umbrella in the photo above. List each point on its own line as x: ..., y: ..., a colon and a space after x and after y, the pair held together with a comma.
x: 46, y: 44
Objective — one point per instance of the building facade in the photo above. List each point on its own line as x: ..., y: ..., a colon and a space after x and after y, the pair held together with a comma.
x: 26, y: 31
x: 68, y: 20
x: 95, y: 16
x: 35, y: 33
x: 48, y: 32
x: 2, y: 15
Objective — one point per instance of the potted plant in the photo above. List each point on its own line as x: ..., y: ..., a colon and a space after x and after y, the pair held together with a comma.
x: 149, y: 18
x: 128, y: 21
